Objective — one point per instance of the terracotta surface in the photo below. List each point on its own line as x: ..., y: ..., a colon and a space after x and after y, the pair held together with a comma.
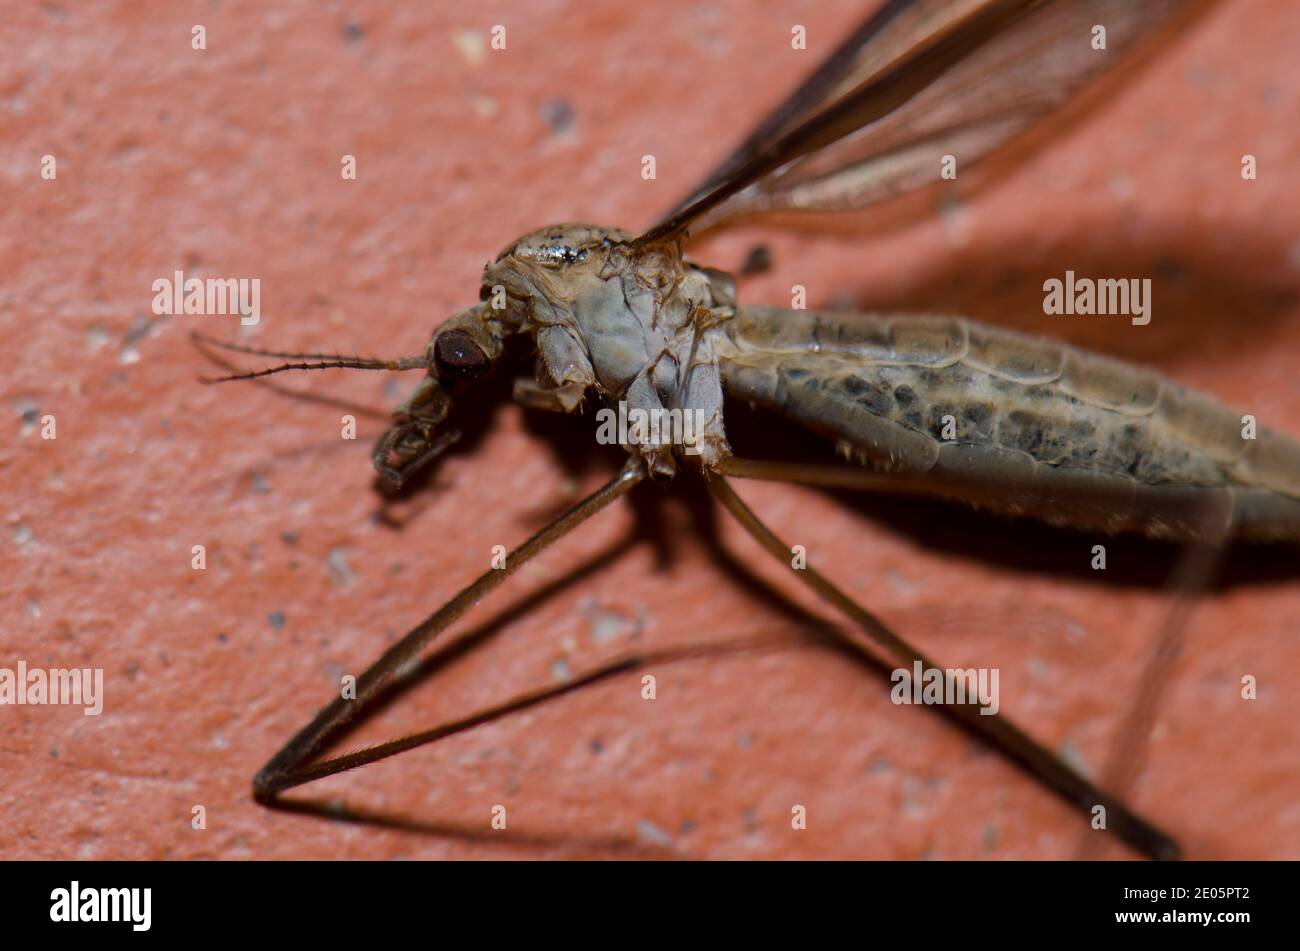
x: 225, y: 162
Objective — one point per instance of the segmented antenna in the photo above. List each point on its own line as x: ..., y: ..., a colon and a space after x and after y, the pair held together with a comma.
x: 323, y: 361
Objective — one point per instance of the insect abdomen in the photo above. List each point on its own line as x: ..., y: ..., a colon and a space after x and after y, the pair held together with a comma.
x: 1018, y: 425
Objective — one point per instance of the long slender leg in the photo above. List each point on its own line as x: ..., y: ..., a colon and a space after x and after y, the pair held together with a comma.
x: 997, y: 730
x: 824, y: 476
x: 288, y: 767
x: 606, y: 671
x: 1192, y: 574
x: 1126, y: 758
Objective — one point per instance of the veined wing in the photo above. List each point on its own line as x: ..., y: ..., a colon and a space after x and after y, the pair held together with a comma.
x: 920, y: 80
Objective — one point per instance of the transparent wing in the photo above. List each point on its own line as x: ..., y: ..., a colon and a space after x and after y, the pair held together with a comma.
x: 918, y: 81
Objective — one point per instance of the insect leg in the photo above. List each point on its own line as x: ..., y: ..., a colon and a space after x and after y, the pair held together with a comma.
x: 1193, y: 573
x: 552, y: 399
x: 289, y: 768
x: 997, y: 730
x: 610, y: 669
x: 825, y: 476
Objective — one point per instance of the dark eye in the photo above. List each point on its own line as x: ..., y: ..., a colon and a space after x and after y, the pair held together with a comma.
x: 457, y: 357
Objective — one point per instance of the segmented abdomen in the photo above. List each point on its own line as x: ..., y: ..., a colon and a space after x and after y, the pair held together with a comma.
x: 1016, y: 424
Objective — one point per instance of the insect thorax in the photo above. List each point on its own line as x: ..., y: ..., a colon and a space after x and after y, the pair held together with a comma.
x: 631, y: 323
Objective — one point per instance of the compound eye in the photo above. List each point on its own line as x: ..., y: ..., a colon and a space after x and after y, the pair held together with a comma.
x: 457, y: 357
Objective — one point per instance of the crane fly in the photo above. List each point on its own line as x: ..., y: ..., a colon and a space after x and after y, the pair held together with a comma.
x: 1036, y: 428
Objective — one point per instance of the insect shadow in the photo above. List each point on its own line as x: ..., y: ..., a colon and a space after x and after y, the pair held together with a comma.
x: 950, y: 529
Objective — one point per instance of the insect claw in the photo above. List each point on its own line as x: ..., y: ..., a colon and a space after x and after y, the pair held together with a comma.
x: 409, y: 464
